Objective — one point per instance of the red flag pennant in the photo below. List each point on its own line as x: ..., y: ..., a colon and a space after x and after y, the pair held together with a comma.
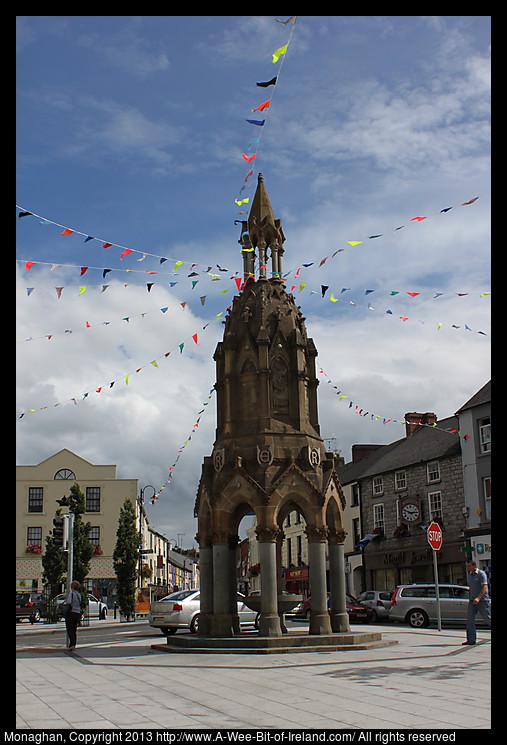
x: 126, y: 253
x: 106, y: 245
x: 419, y: 218
x: 29, y: 264
x: 194, y: 337
x: 248, y: 158
x: 238, y: 282
x: 84, y: 269
x: 67, y: 231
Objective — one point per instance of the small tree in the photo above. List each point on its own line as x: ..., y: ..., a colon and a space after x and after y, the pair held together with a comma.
x: 126, y: 558
x: 83, y: 548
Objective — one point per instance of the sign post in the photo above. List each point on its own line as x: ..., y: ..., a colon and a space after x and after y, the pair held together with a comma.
x: 434, y: 535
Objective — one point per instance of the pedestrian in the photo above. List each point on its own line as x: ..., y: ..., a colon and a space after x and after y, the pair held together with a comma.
x: 73, y: 615
x: 478, y: 601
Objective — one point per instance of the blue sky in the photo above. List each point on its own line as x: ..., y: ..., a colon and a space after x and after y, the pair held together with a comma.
x: 131, y: 130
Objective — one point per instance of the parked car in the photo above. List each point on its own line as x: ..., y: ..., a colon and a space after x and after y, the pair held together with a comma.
x: 378, y: 600
x: 96, y: 608
x: 31, y: 605
x: 357, y: 611
x: 181, y: 610
x: 417, y: 604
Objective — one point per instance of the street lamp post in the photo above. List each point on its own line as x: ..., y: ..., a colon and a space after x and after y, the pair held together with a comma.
x: 141, y: 507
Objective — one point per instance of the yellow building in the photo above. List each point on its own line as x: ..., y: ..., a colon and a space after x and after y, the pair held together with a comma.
x: 37, y: 489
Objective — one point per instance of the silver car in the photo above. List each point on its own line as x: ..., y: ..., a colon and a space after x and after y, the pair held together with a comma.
x: 96, y: 608
x: 181, y: 610
x: 417, y: 604
x: 379, y: 601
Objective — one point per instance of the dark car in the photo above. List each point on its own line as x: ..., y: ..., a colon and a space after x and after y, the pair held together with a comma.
x: 356, y: 611
x: 31, y: 605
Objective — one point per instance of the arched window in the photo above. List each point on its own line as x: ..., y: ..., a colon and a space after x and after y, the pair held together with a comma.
x: 65, y: 473
x: 280, y: 383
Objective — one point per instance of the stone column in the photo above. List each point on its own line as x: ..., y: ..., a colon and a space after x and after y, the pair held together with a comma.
x: 319, y: 617
x: 206, y: 584
x: 269, y: 622
x: 233, y: 578
x: 339, y: 616
x: 221, y: 620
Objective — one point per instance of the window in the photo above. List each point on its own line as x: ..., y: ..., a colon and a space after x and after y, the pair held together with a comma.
x: 65, y: 473
x: 35, y: 495
x: 94, y: 536
x: 433, y: 470
x: 486, y: 485
x: 93, y: 498
x: 356, y: 493
x: 378, y: 516
x: 289, y: 552
x: 356, y: 535
x: 400, y: 480
x: 485, y: 435
x: 378, y: 485
x: 34, y: 537
x: 299, y: 550
x: 435, y: 504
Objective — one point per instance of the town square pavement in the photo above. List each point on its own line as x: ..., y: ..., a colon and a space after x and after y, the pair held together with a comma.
x: 427, y: 681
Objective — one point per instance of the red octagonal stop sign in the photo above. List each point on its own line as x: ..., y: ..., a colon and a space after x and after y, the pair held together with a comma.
x: 435, y: 536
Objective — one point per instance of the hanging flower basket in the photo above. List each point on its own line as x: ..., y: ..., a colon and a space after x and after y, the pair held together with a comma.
x: 399, y: 531
x: 97, y: 551
x: 33, y: 549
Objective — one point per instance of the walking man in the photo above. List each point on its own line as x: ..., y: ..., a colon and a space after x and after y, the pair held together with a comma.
x: 478, y: 600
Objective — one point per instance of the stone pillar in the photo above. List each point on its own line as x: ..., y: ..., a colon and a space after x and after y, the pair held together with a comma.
x: 233, y: 578
x: 319, y: 617
x: 206, y: 584
x: 269, y: 621
x: 339, y: 616
x: 221, y: 620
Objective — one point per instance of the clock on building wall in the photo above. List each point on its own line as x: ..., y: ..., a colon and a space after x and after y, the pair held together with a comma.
x: 410, y: 511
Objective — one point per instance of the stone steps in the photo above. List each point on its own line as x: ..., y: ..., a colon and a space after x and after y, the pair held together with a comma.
x: 287, y: 643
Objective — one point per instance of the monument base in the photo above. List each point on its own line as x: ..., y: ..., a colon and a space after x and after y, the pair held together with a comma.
x: 253, y: 643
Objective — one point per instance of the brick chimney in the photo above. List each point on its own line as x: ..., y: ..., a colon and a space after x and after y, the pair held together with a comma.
x: 361, y: 451
x: 413, y: 419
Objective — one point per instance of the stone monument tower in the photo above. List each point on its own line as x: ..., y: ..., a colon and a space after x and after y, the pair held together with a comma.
x: 268, y: 457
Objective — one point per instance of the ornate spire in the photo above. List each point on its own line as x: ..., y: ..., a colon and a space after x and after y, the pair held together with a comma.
x: 263, y: 230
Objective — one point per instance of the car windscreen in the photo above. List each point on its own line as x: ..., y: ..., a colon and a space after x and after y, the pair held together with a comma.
x: 180, y: 595
x: 22, y: 598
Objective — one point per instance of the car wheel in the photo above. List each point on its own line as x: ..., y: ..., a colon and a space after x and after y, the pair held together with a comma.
x: 417, y: 619
x: 256, y: 622
x: 103, y: 614
x: 35, y: 617
x: 194, y: 624
x: 308, y: 614
x: 169, y: 630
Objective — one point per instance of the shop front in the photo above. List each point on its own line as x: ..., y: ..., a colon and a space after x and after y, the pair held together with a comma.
x: 297, y: 581
x: 384, y: 570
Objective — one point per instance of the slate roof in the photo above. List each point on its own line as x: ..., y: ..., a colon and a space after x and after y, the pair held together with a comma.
x: 481, y: 397
x: 425, y: 444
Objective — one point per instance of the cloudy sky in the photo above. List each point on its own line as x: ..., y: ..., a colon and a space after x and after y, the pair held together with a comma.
x: 130, y: 132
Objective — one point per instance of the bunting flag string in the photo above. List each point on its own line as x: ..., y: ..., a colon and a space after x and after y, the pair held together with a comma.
x: 346, y: 245
x: 125, y: 377
x: 88, y: 325
x: 254, y: 144
x: 216, y: 277
x: 394, y: 294
x: 360, y: 411
x: 171, y: 468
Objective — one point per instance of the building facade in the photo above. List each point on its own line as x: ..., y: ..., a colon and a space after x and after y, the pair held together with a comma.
x: 401, y: 488
x: 475, y: 422
x: 37, y: 489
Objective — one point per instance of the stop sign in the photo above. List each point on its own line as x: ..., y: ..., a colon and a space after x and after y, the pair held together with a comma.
x: 435, y: 536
